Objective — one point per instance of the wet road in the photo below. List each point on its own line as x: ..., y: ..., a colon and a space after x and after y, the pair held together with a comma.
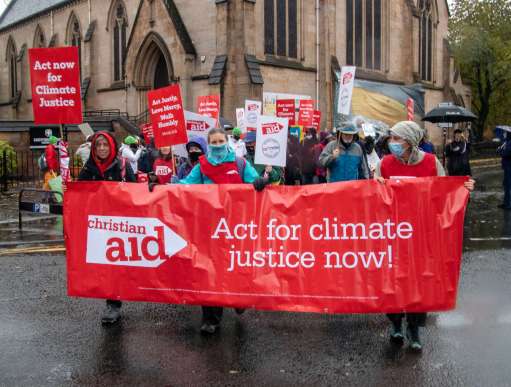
x: 47, y: 338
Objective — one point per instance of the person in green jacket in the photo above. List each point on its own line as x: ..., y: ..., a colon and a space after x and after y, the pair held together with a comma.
x: 275, y: 174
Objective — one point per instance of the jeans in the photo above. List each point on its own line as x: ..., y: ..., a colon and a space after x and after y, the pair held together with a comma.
x: 413, y: 319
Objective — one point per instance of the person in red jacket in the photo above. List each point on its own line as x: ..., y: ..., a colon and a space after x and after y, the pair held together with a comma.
x: 408, y: 160
x: 163, y: 166
x: 51, y: 155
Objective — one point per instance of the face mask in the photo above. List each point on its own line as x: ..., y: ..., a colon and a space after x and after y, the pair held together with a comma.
x: 218, y: 152
x: 396, y: 149
x: 194, y: 156
x: 250, y: 150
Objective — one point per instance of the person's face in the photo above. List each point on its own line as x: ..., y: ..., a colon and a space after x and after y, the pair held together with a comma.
x: 217, y: 139
x: 102, y: 148
x: 165, y: 151
x: 250, y: 147
x: 457, y: 137
x: 195, y: 149
x: 400, y: 140
x: 347, y: 138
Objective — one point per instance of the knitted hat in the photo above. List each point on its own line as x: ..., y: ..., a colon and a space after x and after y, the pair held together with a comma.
x: 130, y: 140
x: 236, y: 132
x: 53, y: 140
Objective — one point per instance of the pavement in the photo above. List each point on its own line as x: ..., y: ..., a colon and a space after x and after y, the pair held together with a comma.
x: 49, y: 339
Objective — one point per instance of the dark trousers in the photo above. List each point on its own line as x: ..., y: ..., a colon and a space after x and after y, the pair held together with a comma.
x: 507, y: 188
x: 307, y: 178
x: 413, y: 319
x: 212, y: 314
x: 114, y: 303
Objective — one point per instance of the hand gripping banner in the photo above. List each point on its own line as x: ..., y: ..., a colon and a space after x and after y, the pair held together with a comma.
x: 357, y: 247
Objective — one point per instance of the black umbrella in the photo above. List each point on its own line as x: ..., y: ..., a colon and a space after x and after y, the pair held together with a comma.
x: 450, y: 114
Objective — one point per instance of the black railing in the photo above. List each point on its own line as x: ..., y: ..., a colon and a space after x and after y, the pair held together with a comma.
x: 21, y: 169
x: 105, y: 113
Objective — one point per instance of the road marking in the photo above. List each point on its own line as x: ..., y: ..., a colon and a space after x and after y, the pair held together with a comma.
x: 489, y: 239
x: 33, y: 250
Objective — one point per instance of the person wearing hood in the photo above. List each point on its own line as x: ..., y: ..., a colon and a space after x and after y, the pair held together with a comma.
x: 237, y: 143
x: 408, y: 160
x: 196, y: 147
x: 221, y: 166
x: 274, y: 174
x: 131, y: 151
x: 324, y: 139
x: 51, y: 156
x: 344, y: 158
x: 104, y: 165
x: 308, y: 161
x: 457, y: 153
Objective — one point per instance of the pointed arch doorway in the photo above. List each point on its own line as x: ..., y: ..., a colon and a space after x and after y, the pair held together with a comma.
x: 153, y: 68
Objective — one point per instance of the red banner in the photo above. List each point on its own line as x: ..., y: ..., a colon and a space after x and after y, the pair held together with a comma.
x: 55, y: 79
x: 306, y: 113
x: 167, y: 116
x: 209, y: 106
x: 316, y: 120
x: 356, y: 247
x: 285, y: 108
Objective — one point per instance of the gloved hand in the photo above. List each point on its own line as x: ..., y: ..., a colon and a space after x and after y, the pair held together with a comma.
x: 260, y: 183
x: 152, y: 181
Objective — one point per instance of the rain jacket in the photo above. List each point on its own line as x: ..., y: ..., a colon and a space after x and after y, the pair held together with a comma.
x: 349, y: 165
x: 186, y: 167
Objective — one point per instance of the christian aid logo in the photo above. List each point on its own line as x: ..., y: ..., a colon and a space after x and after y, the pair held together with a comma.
x: 252, y: 107
x: 347, y: 78
x: 130, y: 241
x: 197, y: 126
x: 272, y: 128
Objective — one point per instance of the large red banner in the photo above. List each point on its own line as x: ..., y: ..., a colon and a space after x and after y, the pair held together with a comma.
x: 55, y: 80
x: 209, y: 106
x: 285, y: 108
x: 167, y: 116
x: 356, y: 247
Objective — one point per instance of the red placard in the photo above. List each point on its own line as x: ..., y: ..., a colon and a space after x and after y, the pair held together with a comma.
x: 55, y: 79
x: 147, y: 132
x: 209, y: 106
x: 285, y: 108
x: 167, y: 116
x: 306, y: 112
x: 375, y: 248
x: 316, y: 120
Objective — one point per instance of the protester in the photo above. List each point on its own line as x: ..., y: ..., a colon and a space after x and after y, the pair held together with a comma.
x: 237, y: 143
x: 51, y: 156
x: 382, y: 148
x: 221, y: 166
x: 292, y: 173
x: 274, y: 174
x: 344, y: 158
x: 196, y: 147
x: 410, y: 161
x: 371, y: 155
x: 505, y: 152
x: 147, y: 157
x: 425, y: 145
x: 131, y: 152
x: 83, y: 151
x: 163, y: 166
x: 321, y: 173
x: 308, y: 160
x: 457, y: 153
x: 104, y: 165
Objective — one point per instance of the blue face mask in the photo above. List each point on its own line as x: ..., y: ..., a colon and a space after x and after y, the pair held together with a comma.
x: 218, y: 152
x: 396, y: 149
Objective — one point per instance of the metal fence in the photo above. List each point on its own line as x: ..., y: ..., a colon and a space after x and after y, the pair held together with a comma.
x: 21, y: 170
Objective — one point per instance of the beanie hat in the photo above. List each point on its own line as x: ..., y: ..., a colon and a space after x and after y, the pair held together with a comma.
x: 236, y: 132
x: 53, y: 140
x: 130, y: 140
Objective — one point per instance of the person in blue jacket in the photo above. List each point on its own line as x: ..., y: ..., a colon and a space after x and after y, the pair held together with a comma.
x: 196, y: 147
x: 344, y: 158
x: 221, y: 166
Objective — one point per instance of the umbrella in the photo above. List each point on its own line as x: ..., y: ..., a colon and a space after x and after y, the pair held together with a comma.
x: 449, y: 113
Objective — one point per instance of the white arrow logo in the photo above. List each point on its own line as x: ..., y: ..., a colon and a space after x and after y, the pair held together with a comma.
x: 130, y: 241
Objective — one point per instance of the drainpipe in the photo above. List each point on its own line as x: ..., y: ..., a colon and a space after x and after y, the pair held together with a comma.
x: 317, y: 54
x: 51, y: 21
x: 89, y: 11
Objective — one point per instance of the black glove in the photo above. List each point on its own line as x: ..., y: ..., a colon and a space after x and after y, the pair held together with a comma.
x: 260, y: 183
x: 152, y: 181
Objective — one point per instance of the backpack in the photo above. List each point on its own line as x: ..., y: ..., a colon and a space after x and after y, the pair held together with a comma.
x: 41, y: 162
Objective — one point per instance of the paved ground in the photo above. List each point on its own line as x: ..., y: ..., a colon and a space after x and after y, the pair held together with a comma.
x: 47, y: 338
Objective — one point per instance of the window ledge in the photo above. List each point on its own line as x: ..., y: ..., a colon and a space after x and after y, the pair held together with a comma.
x: 430, y: 85
x: 374, y: 75
x: 113, y: 87
x: 276, y: 61
x: 6, y: 103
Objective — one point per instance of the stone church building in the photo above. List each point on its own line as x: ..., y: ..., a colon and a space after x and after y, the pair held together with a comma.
x: 236, y: 48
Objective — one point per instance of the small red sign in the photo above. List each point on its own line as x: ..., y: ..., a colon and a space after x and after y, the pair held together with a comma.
x: 167, y: 116
x: 286, y: 109
x: 316, y: 119
x: 55, y: 79
x: 306, y: 112
x: 147, y: 132
x: 209, y: 106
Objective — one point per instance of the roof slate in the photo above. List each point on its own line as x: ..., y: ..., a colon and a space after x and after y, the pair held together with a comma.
x: 18, y: 10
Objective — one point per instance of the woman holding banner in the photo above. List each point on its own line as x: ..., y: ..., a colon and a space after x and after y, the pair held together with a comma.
x: 104, y: 165
x: 221, y: 166
x: 407, y: 160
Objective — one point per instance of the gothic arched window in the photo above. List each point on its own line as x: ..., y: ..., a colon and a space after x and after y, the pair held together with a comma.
x: 364, y: 33
x: 74, y: 36
x: 11, y: 58
x: 39, y: 38
x: 426, y: 36
x: 120, y: 26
